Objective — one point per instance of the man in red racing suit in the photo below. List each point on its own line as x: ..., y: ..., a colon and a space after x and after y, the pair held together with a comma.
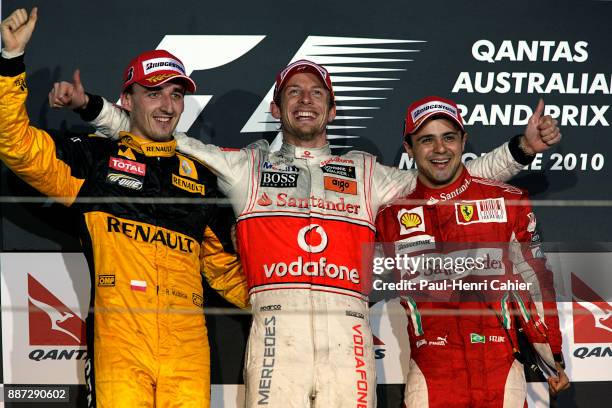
x: 463, y: 338
x: 303, y: 216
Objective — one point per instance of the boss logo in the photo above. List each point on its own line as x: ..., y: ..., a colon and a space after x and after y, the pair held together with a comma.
x: 272, y: 179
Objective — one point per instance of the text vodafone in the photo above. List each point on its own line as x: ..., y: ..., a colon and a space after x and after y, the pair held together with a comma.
x: 312, y: 268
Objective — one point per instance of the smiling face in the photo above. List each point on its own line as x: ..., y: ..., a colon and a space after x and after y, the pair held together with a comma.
x: 154, y: 112
x: 304, y: 110
x: 437, y: 147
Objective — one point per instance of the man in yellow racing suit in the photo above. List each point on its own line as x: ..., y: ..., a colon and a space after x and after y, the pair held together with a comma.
x: 145, y: 229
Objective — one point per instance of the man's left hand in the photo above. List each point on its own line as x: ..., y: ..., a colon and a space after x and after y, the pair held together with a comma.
x: 541, y: 132
x: 559, y: 382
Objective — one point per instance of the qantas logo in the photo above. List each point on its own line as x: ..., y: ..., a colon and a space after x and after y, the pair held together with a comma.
x: 51, y: 323
x: 592, y: 314
x: 342, y: 56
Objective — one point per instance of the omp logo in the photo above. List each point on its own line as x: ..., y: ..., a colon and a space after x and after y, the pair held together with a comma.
x: 51, y: 323
x: 348, y: 60
x: 592, y: 314
x: 306, y: 238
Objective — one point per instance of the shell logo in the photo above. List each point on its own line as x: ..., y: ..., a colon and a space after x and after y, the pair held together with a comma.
x: 411, y: 220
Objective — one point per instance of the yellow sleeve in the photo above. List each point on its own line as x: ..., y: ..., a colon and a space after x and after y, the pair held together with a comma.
x: 30, y: 152
x: 223, y: 271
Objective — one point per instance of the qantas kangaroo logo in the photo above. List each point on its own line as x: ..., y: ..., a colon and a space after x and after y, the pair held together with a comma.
x: 592, y: 314
x: 51, y: 323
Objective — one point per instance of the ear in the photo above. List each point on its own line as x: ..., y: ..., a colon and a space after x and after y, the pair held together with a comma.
x: 275, y: 110
x: 126, y: 101
x: 408, y: 150
x: 332, y: 114
x: 465, y: 136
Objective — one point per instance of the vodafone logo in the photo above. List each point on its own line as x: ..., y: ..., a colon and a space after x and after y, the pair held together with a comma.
x: 307, y: 237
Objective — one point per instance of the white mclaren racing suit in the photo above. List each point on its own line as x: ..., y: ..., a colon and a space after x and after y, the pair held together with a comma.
x: 304, y: 218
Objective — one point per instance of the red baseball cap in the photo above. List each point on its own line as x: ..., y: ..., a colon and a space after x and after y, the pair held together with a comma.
x: 154, y: 68
x: 299, y: 67
x: 419, y: 111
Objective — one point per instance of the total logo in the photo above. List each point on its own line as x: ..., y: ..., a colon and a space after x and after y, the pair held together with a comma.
x: 312, y: 239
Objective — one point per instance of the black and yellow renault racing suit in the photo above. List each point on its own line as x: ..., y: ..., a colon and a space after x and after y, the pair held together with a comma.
x: 146, y: 236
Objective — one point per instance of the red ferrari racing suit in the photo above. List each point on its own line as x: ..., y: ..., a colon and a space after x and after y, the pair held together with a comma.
x: 303, y: 217
x: 463, y: 355
x: 147, y: 339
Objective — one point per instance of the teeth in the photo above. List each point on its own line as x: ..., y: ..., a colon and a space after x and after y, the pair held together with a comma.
x: 440, y: 161
x: 163, y: 119
x: 305, y: 114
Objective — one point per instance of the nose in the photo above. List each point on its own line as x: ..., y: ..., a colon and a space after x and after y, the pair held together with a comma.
x: 439, y: 146
x: 306, y: 98
x: 166, y: 104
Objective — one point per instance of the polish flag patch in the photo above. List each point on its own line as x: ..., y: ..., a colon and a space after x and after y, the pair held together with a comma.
x: 138, y: 285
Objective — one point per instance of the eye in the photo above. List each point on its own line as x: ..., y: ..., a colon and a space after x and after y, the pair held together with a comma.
x: 177, y: 95
x: 317, y: 92
x: 451, y: 137
x: 293, y: 92
x: 425, y: 140
x: 153, y: 94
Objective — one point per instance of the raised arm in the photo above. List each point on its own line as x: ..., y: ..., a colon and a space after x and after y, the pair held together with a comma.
x: 30, y: 152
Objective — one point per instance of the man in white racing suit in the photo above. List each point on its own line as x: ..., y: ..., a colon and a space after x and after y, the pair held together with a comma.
x: 304, y: 216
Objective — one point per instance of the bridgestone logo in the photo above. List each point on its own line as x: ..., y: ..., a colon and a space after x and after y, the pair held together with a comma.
x: 162, y: 64
x: 433, y: 106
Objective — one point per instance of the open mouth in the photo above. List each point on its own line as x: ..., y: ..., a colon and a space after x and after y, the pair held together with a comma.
x: 162, y: 119
x: 304, y: 115
x: 440, y: 163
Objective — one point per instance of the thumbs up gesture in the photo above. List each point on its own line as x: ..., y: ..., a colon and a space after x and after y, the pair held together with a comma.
x: 541, y: 132
x: 69, y: 95
x: 17, y: 30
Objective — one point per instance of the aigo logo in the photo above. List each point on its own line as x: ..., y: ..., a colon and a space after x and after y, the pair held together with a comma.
x: 51, y: 323
x: 592, y: 315
x: 306, y: 238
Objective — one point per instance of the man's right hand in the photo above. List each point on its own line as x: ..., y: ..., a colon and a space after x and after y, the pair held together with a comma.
x: 17, y: 30
x: 69, y: 95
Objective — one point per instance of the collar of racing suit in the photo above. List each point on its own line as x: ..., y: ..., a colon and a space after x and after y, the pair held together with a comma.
x: 148, y: 147
x: 452, y: 191
x: 289, y: 150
